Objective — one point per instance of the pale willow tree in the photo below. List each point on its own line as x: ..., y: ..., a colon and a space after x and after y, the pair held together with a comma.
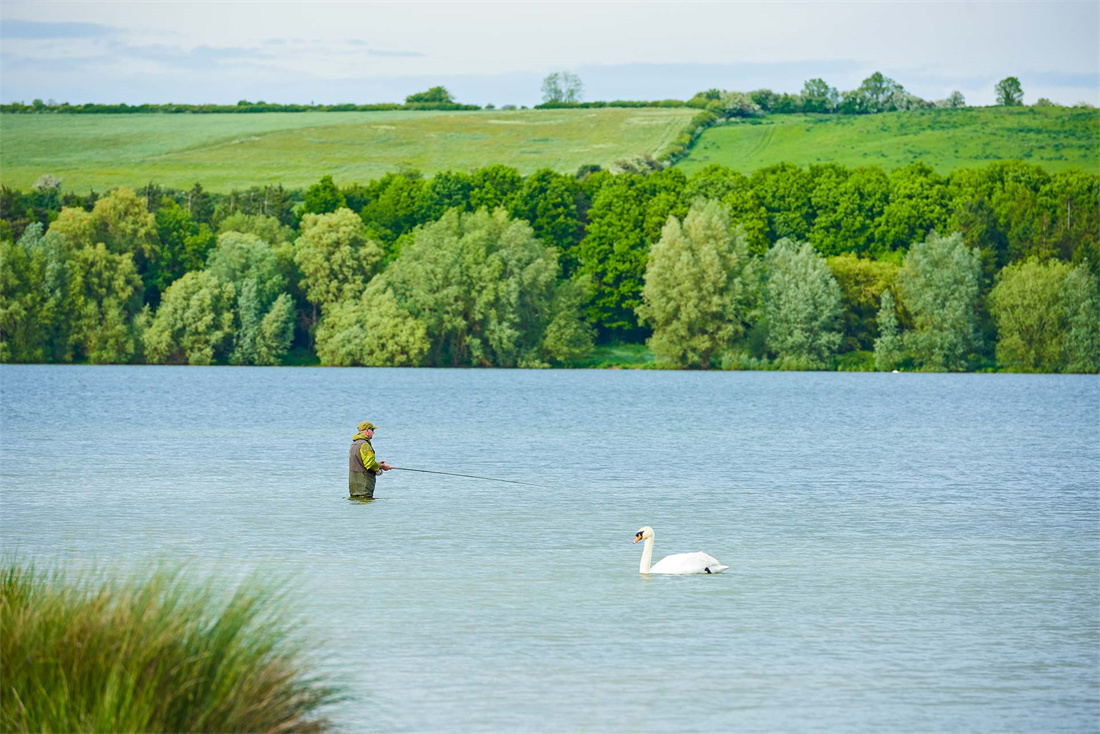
x: 39, y: 293
x: 1081, y: 309
x: 265, y: 314
x: 111, y: 297
x: 802, y: 306
x: 486, y: 289
x: 1048, y: 317
x: 697, y: 286
x: 120, y: 220
x: 938, y: 283
x: 373, y: 330
x: 336, y: 257
x: 264, y: 333
x: 267, y: 229
x: 889, y: 349
x: 194, y: 322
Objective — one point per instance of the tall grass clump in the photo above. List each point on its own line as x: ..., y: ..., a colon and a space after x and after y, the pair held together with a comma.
x: 152, y: 652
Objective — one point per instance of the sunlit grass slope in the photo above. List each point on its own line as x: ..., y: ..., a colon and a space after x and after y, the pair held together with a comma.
x: 295, y: 149
x: 1054, y: 138
x: 151, y: 653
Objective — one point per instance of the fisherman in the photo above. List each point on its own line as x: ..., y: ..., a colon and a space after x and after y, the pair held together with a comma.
x: 363, y: 467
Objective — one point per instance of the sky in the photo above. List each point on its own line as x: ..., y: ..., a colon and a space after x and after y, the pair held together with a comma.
x: 498, y: 52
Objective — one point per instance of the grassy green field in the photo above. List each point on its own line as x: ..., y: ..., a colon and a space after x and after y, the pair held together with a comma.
x: 229, y: 151
x: 1054, y: 138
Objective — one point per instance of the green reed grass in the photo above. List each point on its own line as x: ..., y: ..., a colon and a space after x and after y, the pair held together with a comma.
x: 155, y: 651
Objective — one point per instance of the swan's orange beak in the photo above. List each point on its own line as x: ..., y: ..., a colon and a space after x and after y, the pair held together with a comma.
x: 637, y: 537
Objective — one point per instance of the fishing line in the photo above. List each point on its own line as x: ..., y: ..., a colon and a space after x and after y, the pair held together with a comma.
x: 467, y: 476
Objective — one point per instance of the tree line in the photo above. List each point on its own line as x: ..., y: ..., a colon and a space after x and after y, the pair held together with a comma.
x: 788, y: 267
x: 562, y: 90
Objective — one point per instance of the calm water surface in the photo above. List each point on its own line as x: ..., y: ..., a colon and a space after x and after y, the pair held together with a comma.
x: 907, y: 552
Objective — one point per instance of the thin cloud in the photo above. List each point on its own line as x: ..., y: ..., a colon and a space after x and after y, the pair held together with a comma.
x: 383, y: 52
x: 33, y: 31
x: 398, y: 54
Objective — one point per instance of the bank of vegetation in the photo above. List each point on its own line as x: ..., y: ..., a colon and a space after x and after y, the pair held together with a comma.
x: 153, y: 652
x: 818, y: 267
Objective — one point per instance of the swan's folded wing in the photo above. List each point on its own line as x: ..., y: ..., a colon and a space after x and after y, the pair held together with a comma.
x: 683, y: 563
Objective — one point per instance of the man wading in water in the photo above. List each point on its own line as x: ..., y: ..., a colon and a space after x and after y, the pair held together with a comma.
x: 363, y: 467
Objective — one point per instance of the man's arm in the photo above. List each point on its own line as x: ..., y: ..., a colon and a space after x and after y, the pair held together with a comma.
x: 366, y: 453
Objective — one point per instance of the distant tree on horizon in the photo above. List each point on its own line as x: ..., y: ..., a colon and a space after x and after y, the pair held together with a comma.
x: 562, y: 86
x: 435, y: 95
x: 1009, y: 92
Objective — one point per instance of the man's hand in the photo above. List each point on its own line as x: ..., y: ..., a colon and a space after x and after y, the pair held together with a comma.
x: 384, y: 465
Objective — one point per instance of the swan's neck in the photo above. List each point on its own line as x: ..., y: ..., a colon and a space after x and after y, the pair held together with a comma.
x: 647, y: 556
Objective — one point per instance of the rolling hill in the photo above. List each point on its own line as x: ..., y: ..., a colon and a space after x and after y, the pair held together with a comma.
x: 1055, y: 138
x: 226, y: 151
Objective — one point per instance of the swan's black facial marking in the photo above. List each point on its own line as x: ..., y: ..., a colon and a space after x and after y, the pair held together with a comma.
x: 707, y: 570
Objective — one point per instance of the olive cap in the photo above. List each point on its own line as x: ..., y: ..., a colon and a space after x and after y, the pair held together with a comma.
x: 366, y: 425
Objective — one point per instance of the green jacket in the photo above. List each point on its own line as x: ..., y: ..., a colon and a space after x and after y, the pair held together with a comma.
x: 363, y: 460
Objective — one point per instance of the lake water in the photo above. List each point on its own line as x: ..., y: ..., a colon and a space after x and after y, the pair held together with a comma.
x: 910, y: 553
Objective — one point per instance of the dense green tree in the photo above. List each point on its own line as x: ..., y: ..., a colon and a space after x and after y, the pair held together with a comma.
x: 1048, y: 317
x: 917, y: 206
x: 46, y: 193
x: 876, y: 94
x: 446, y: 190
x: 483, y: 286
x: 392, y: 207
x: 184, y: 245
x: 22, y: 325
x: 123, y: 224
x: 373, y: 330
x: 849, y: 209
x: 862, y: 283
x: 1009, y: 92
x: 1026, y: 303
x: 626, y: 216
x: 110, y: 298
x: 268, y: 229
x: 264, y: 312
x: 78, y: 227
x: 817, y: 96
x: 35, y: 297
x: 243, y: 257
x: 1070, y: 202
x: 568, y: 336
x: 194, y: 323
x: 335, y: 256
x: 200, y: 205
x: 802, y: 306
x: 939, y: 285
x: 786, y: 193
x: 549, y: 202
x: 737, y: 104
x: 435, y: 95
x: 698, y: 285
x: 40, y: 298
x: 735, y: 191
x: 493, y: 186
x: 323, y: 197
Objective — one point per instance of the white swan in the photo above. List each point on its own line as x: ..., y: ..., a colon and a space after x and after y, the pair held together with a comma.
x: 681, y: 563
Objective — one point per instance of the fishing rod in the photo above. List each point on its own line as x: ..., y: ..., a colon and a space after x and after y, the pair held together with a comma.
x: 467, y: 476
